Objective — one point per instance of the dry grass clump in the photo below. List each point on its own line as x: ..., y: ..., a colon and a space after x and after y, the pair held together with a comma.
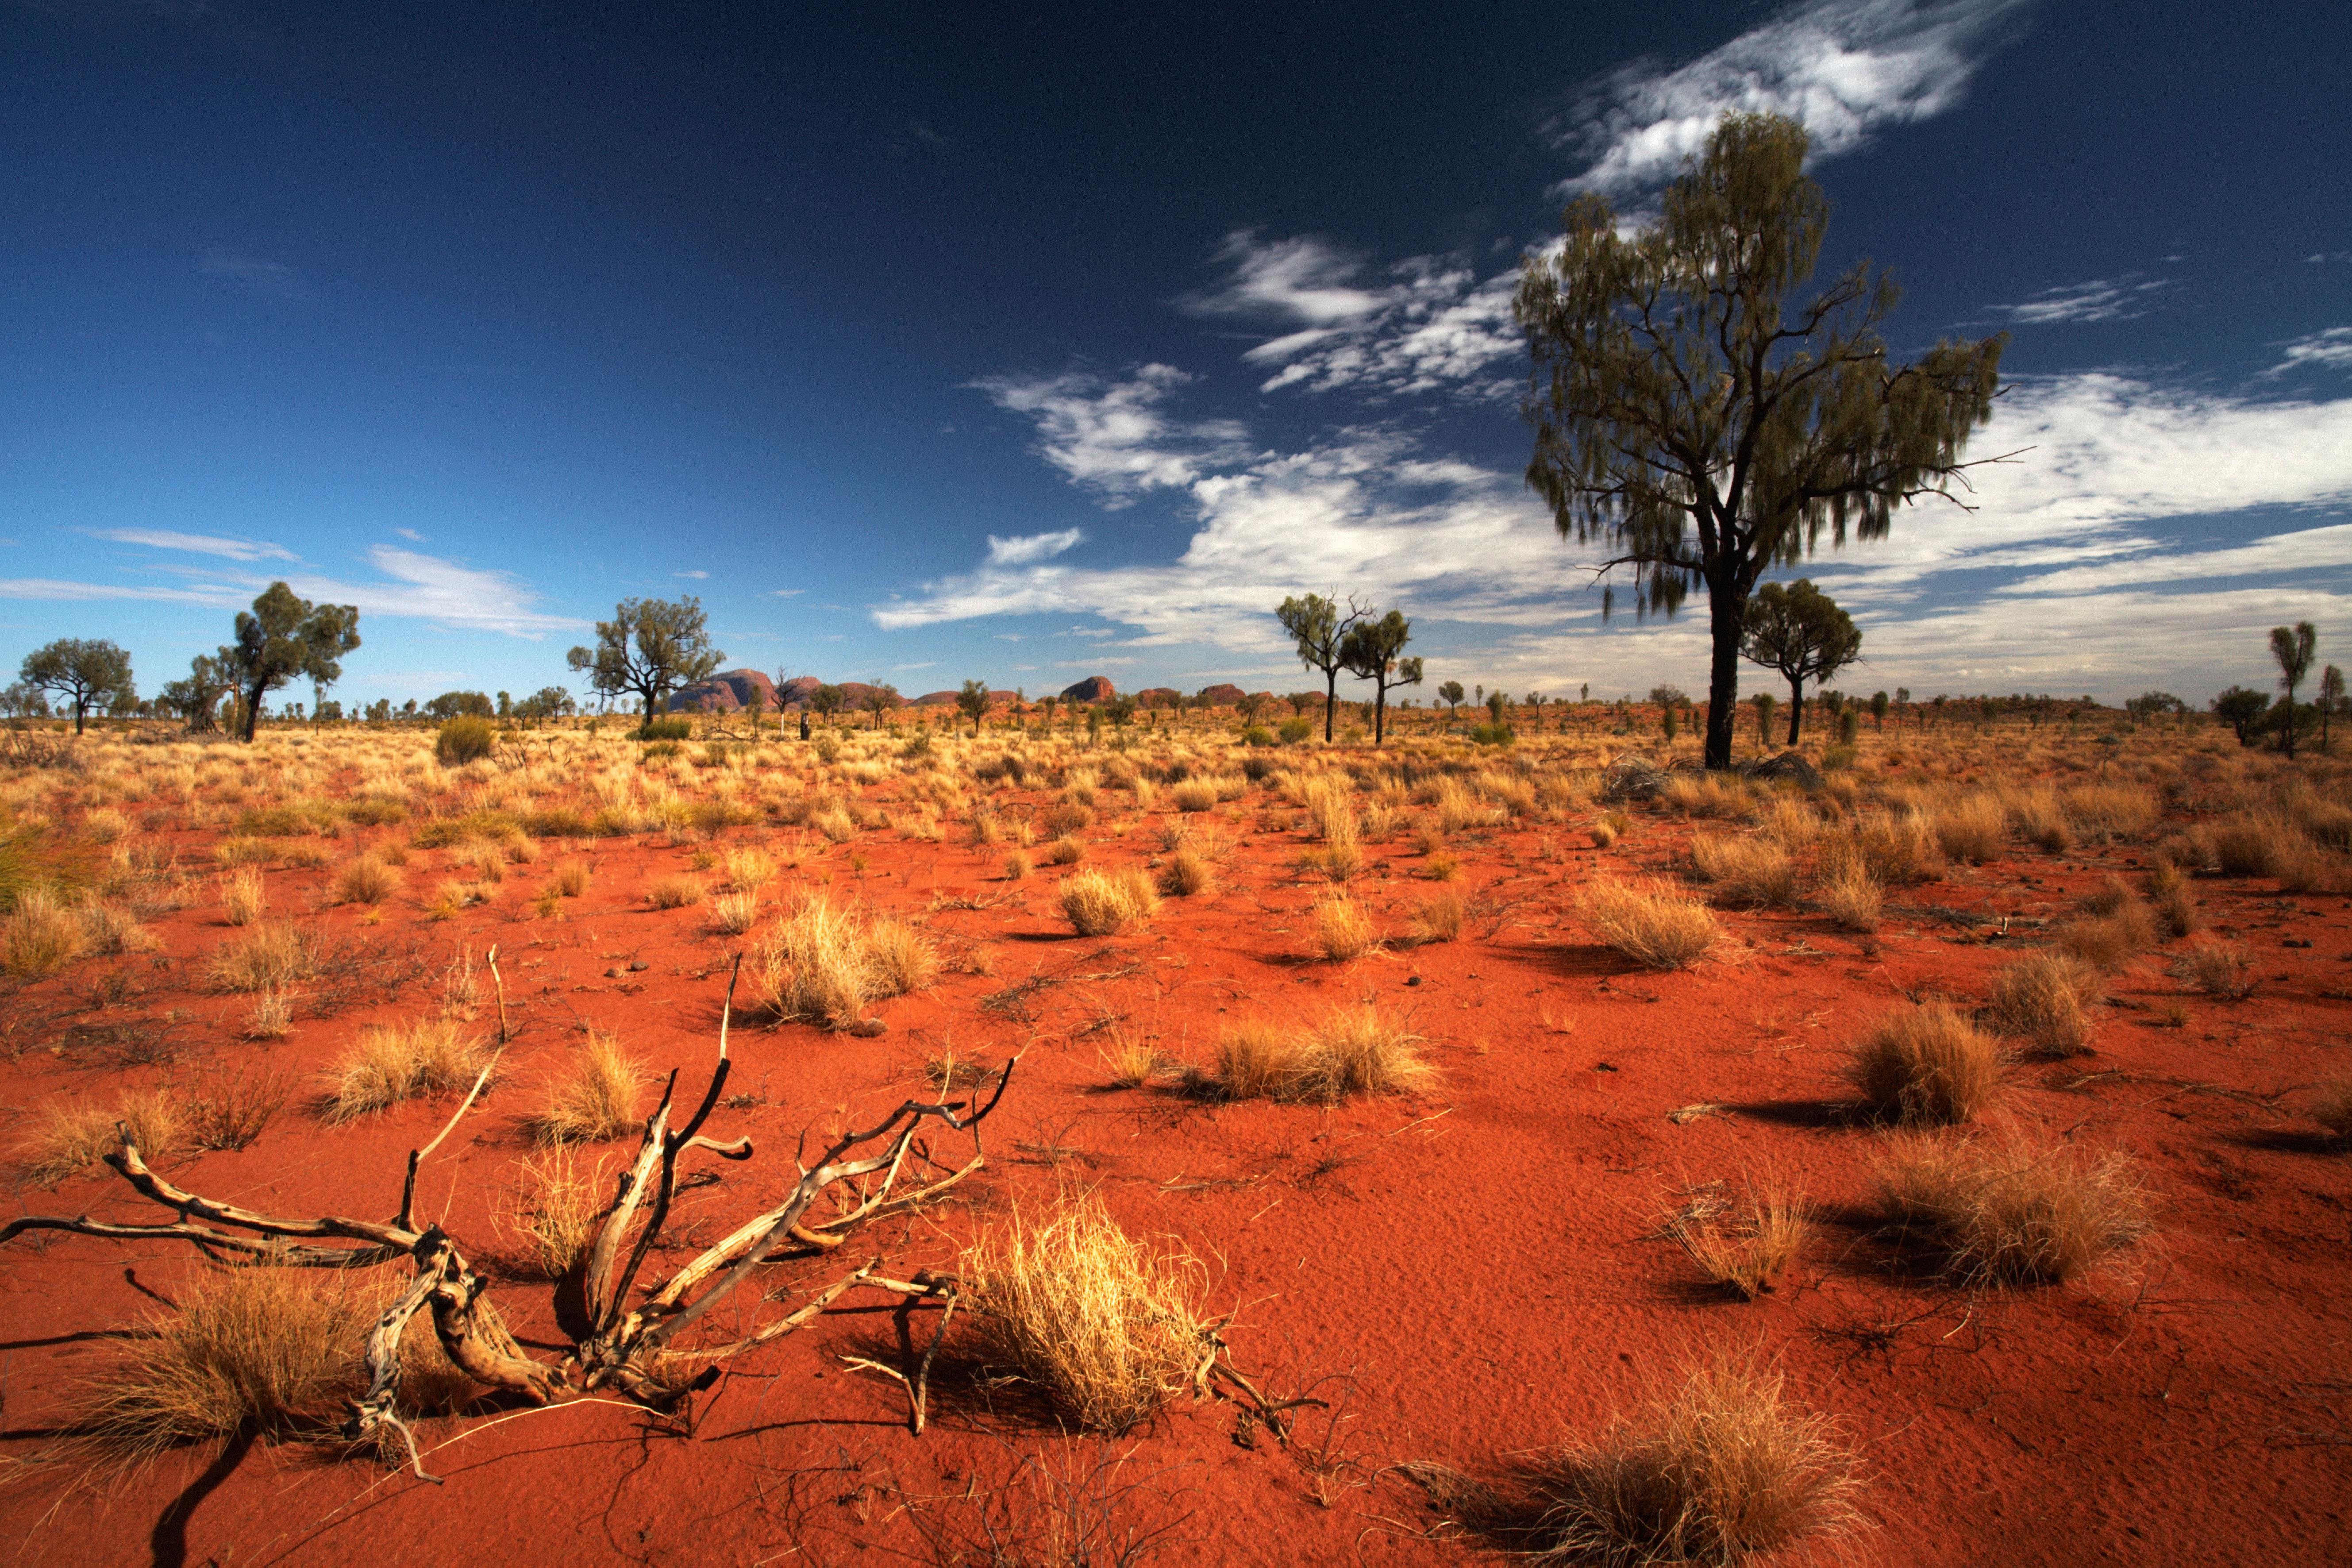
x: 1925, y: 1064
x: 1187, y: 874
x: 2333, y: 1109
x: 395, y: 1062
x: 1752, y: 871
x: 70, y: 1136
x: 1067, y: 850
x: 1101, y: 902
x: 570, y: 879
x: 2218, y: 969
x: 1129, y: 1060
x: 748, y: 870
x: 1356, y: 1051
x: 674, y: 892
x: 365, y: 880
x: 2110, y: 812
x: 735, y: 913
x: 264, y: 958
x: 2042, y: 999
x: 560, y: 1204
x: 1651, y: 924
x: 1342, y: 930
x: 1852, y: 897
x: 1743, y: 1246
x: 594, y: 1098
x: 258, y: 1349
x: 1899, y: 850
x: 2170, y: 899
x: 2010, y: 1213
x: 1106, y: 1326
x: 1017, y: 866
x: 40, y: 936
x: 1194, y: 795
x: 2112, y: 939
x: 825, y: 964
x: 242, y: 895
x: 1726, y: 1469
x: 1438, y: 918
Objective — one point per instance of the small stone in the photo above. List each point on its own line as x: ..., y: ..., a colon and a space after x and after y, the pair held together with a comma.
x: 639, y: 965
x: 866, y: 1028
x: 614, y: 972
x: 1413, y: 980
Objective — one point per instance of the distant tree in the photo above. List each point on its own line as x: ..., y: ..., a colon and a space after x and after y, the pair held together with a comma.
x: 23, y: 700
x: 81, y: 673
x: 1120, y: 710
x: 1496, y: 704
x: 1451, y: 694
x: 2291, y: 647
x: 1765, y: 703
x: 1321, y: 631
x: 2242, y: 708
x: 1049, y: 704
x: 649, y: 649
x: 546, y: 702
x: 1300, y: 701
x: 1669, y: 696
x: 1373, y: 650
x: 828, y: 700
x: 1799, y: 631
x: 2331, y: 698
x: 973, y: 702
x: 1681, y: 419
x: 880, y: 698
x: 1584, y: 692
x: 1252, y: 704
x: 283, y: 636
x: 1878, y: 709
x: 451, y: 704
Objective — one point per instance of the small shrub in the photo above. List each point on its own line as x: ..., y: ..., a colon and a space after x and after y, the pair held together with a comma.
x: 1342, y: 931
x: 1104, y: 1325
x: 1440, y: 866
x: 570, y: 879
x: 1067, y: 850
x: 1292, y: 731
x: 2218, y: 969
x: 1438, y: 918
x: 1195, y: 795
x: 68, y: 1137
x: 1654, y: 925
x: 2012, y: 1215
x: 561, y: 1207
x: 264, y: 958
x: 1099, y: 903
x: 2042, y: 1000
x: 1899, y: 851
x: 464, y: 738
x: 1017, y: 867
x: 898, y: 958
x: 673, y: 729
x: 40, y: 936
x: 1187, y: 874
x: 392, y: 1063
x: 242, y: 895
x: 1353, y: 1051
x: 365, y: 880
x: 735, y: 913
x: 596, y: 1098
x: 1746, y: 1246
x: 1852, y: 898
x: 1750, y: 871
x: 1925, y: 1064
x: 674, y: 892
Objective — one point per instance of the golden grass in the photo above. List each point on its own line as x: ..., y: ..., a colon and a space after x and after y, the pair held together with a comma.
x: 1725, y: 1468
x: 1974, y: 829
x: 68, y: 1136
x: 1017, y: 867
x: 1745, y: 1246
x: 2170, y: 899
x: 242, y: 895
x: 1438, y: 918
x: 1067, y: 850
x: 1653, y: 924
x: 390, y: 1063
x: 898, y: 958
x: 2110, y: 812
x: 1355, y: 1050
x: 1106, y: 1326
x: 365, y: 880
x: 40, y: 936
x: 560, y: 1205
x: 1187, y: 874
x: 2109, y: 941
x: 825, y: 964
x: 1925, y: 1064
x: 2218, y: 969
x: 570, y: 878
x: 676, y: 892
x: 263, y: 958
x: 2042, y: 1000
x: 1898, y: 850
x: 1852, y: 899
x: 595, y: 1096
x: 2008, y: 1214
x: 1755, y: 872
x: 1129, y: 1061
x: 1099, y: 903
x: 735, y: 913
x: 748, y: 870
x: 1342, y: 930
x: 1194, y: 795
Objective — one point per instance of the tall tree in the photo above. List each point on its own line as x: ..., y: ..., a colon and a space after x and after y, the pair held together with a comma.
x: 649, y: 649
x: 283, y: 636
x: 1799, y: 631
x: 1374, y: 651
x: 880, y: 699
x: 827, y: 699
x: 1703, y: 436
x: 972, y: 702
x: 82, y: 673
x: 2331, y: 698
x: 1452, y: 694
x: 1320, y: 629
x: 2291, y: 647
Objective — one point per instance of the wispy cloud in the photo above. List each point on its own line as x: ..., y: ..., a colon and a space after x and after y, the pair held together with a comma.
x: 1847, y: 68
x: 2100, y: 299
x: 196, y: 543
x: 1025, y: 549
x: 926, y: 135
x: 2329, y: 350
x: 257, y: 275
x: 1116, y: 438
x: 697, y: 574
x: 410, y: 534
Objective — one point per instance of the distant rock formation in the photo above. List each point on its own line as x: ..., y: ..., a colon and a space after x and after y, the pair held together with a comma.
x: 1159, y: 697
x: 1093, y: 689
x: 730, y: 692
x: 1222, y: 695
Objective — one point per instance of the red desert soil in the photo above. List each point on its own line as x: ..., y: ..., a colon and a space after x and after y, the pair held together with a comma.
x: 1463, y: 1275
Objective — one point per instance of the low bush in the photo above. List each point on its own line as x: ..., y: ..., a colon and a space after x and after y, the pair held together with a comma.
x: 1342, y: 930
x: 2008, y: 1214
x: 1100, y: 903
x: 1925, y: 1064
x: 1187, y: 874
x: 2042, y: 1000
x: 462, y: 740
x: 365, y: 880
x: 1654, y: 925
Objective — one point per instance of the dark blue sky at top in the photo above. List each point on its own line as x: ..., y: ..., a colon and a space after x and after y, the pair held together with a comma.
x: 593, y: 296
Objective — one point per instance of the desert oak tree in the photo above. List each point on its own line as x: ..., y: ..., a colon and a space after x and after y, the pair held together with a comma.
x: 1799, y: 631
x: 649, y: 649
x: 81, y: 673
x: 1697, y: 432
x: 1321, y: 630
x: 283, y: 636
x: 1373, y: 650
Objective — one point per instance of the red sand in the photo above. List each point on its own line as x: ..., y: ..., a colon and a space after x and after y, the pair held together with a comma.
x: 1462, y: 1276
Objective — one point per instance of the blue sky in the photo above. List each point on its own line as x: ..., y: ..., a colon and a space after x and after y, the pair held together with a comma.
x: 1032, y: 344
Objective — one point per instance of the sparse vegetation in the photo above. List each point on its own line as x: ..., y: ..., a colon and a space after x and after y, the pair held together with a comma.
x: 2012, y: 1215
x: 2042, y: 1000
x: 593, y: 1097
x: 1925, y: 1064
x: 1101, y: 903
x: 1651, y: 924
x: 1356, y: 1050
x: 395, y: 1062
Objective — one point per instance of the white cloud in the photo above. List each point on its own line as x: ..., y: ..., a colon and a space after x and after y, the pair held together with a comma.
x: 56, y: 588
x: 196, y: 543
x: 2304, y: 550
x: 783, y: 593
x: 260, y: 277
x: 410, y: 534
x: 2329, y: 350
x: 429, y: 587
x: 2100, y: 299
x: 696, y: 575
x: 1114, y: 437
x: 1847, y: 68
x: 1025, y: 549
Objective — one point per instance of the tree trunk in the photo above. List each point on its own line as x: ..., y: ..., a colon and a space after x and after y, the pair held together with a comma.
x: 1727, y: 612
x: 1380, y: 713
x: 2290, y: 721
x: 1796, y: 706
x: 1330, y: 700
x: 80, y: 708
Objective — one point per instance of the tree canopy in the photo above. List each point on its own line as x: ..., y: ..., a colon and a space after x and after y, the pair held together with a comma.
x: 283, y: 636
x: 1373, y: 650
x: 1697, y: 430
x: 972, y: 702
x: 82, y: 673
x: 1799, y: 631
x: 2293, y: 647
x: 1319, y: 628
x: 649, y: 649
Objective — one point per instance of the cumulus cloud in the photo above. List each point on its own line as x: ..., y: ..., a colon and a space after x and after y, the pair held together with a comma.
x: 196, y: 543
x: 2100, y: 299
x: 1023, y: 550
x: 1116, y: 438
x: 1847, y: 68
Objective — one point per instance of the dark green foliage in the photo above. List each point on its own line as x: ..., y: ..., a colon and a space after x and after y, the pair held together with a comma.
x: 649, y: 649
x: 285, y: 636
x: 1373, y: 650
x: 973, y: 702
x: 82, y: 673
x: 466, y: 738
x: 2242, y: 708
x: 1799, y: 631
x: 1319, y: 630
